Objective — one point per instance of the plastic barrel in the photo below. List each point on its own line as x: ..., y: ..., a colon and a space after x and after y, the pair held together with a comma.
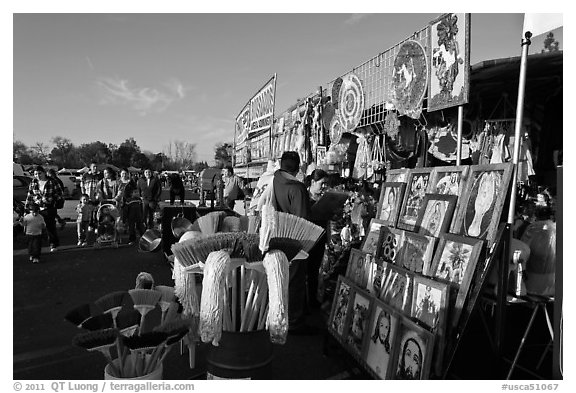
x: 240, y: 355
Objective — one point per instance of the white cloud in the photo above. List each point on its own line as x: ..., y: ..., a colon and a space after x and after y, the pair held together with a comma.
x: 355, y: 18
x: 144, y: 100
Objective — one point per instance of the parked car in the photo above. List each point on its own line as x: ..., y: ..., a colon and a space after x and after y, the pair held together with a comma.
x: 20, y: 187
x: 71, y: 184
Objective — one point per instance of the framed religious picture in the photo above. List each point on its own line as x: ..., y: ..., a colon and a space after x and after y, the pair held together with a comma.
x: 389, y: 244
x: 449, y: 61
x: 413, y: 350
x: 371, y: 240
x: 381, y: 335
x: 320, y: 155
x: 416, y: 188
x: 481, y: 205
x: 377, y: 280
x: 449, y: 180
x: 340, y: 306
x: 416, y: 252
x: 455, y: 261
x: 430, y: 302
x: 398, y: 289
x: 435, y: 214
x: 397, y: 175
x: 357, y: 327
x: 391, y: 196
x: 357, y: 270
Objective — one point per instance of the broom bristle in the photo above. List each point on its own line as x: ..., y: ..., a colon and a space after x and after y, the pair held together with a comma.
x: 146, y: 297
x: 230, y: 224
x: 127, y: 318
x: 293, y: 227
x: 145, y: 340
x: 97, y: 322
x: 210, y: 223
x: 193, y: 251
x: 95, y: 339
x: 110, y: 301
x: 174, y: 327
x: 254, y: 224
x: 167, y: 293
x: 78, y: 315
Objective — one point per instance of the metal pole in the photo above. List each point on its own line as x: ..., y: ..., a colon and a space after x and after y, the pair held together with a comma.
x: 519, y: 116
x: 459, y: 139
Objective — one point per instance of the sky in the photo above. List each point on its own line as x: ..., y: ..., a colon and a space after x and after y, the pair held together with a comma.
x: 162, y: 77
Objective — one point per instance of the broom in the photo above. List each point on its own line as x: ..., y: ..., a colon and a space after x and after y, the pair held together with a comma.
x: 194, y: 251
x: 127, y: 321
x: 144, y: 301
x: 175, y: 331
x: 111, y: 303
x: 78, y: 315
x: 167, y: 297
x: 97, y: 322
x: 230, y: 224
x: 140, y: 345
x: 99, y: 340
x: 290, y: 226
x: 210, y: 223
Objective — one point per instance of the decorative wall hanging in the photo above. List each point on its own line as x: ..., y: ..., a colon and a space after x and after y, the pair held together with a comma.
x: 350, y: 102
x: 443, y: 143
x: 410, y: 78
x: 449, y: 61
x: 362, y: 157
x: 416, y: 188
x: 336, y: 92
x: 335, y: 129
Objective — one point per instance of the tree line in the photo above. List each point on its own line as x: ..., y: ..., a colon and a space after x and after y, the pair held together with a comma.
x: 177, y: 155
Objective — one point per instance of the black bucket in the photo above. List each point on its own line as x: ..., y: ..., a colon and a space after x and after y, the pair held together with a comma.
x: 240, y: 355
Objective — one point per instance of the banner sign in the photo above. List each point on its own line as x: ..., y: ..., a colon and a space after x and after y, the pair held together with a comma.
x: 253, y: 126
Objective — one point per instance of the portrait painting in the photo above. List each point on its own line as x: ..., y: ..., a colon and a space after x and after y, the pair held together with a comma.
x: 370, y: 244
x: 320, y: 155
x: 413, y: 351
x: 398, y: 291
x: 455, y: 262
x: 435, y: 214
x: 389, y: 244
x: 449, y: 180
x: 417, y: 251
x: 397, y: 175
x: 357, y: 328
x: 449, y: 61
x: 416, y: 187
x: 357, y: 270
x: 375, y: 275
x: 382, y: 333
x: 481, y: 206
x: 391, y: 196
x: 429, y: 302
x: 340, y: 307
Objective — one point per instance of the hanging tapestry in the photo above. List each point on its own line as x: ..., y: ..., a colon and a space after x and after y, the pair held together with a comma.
x: 410, y: 78
x: 350, y: 102
x: 449, y: 61
x: 443, y: 143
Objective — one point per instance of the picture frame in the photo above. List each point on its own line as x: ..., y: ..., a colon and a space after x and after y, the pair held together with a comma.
x: 450, y: 180
x: 370, y: 243
x: 413, y: 351
x: 416, y: 187
x: 481, y: 205
x: 389, y: 244
x: 436, y: 214
x: 357, y: 322
x: 417, y: 252
x: 320, y: 155
x: 379, y: 350
x: 340, y: 308
x: 430, y: 302
x: 397, y: 292
x: 455, y: 262
x: 397, y: 175
x: 375, y: 275
x: 357, y: 269
x: 449, y: 61
x: 390, y: 202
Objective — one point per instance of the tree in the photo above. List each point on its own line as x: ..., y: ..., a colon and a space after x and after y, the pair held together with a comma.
x: 199, y: 166
x: 550, y: 44
x: 140, y: 160
x: 40, y: 153
x: 19, y: 149
x: 64, y: 154
x: 223, y: 154
x: 123, y: 155
x: 179, y: 155
x: 97, y: 152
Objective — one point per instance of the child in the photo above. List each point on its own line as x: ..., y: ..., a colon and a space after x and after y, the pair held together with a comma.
x: 84, y: 210
x: 33, y: 226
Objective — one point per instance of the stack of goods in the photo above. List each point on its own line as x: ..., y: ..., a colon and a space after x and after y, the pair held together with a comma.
x: 126, y: 328
x: 245, y: 275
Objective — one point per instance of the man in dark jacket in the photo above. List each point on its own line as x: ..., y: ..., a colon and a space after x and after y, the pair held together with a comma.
x: 291, y: 196
x: 150, y: 189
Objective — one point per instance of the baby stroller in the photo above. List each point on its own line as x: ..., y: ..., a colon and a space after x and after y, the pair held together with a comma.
x: 107, y: 218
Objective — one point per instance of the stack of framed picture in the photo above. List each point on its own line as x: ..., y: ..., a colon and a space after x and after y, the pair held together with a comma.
x: 406, y: 287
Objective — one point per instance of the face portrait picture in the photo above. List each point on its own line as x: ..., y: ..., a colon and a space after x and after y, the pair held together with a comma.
x: 397, y: 295
x: 411, y: 355
x: 341, y: 308
x: 433, y: 218
x: 382, y: 332
x: 448, y: 183
x: 358, y: 323
x: 389, y: 204
x: 427, y: 305
x: 481, y: 203
x: 357, y: 270
x: 453, y: 261
x: 371, y: 242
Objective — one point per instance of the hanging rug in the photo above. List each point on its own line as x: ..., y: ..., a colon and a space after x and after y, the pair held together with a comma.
x: 410, y: 78
x: 350, y: 102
